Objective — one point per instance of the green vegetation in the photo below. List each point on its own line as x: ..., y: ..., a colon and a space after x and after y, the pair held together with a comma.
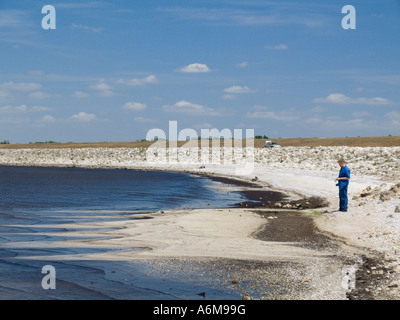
x: 314, y: 213
x: 5, y: 142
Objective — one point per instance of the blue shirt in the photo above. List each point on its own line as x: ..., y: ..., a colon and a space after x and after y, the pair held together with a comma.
x: 344, y: 173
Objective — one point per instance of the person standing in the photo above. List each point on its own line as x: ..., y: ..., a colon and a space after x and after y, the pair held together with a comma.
x: 343, y: 184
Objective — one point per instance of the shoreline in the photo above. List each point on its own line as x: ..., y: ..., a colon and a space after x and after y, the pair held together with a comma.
x: 377, y: 276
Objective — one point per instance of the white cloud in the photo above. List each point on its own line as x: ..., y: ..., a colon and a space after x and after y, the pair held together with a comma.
x: 281, y: 46
x: 139, y: 82
x: 12, y: 18
x: 339, y: 98
x: 40, y: 109
x: 104, y: 89
x: 259, y: 108
x: 228, y: 97
x: 23, y: 109
x: 364, y: 123
x: 343, y: 124
x: 203, y: 125
x: 186, y: 107
x: 394, y: 117
x: 20, y: 86
x: 83, y: 117
x: 194, y: 68
x: 80, y: 94
x: 107, y: 93
x: 243, y: 64
x: 238, y: 89
x: 317, y: 109
x: 101, y: 86
x: 4, y: 94
x: 14, y: 109
x: 134, y: 106
x: 48, y: 119
x: 312, y: 121
x: 190, y: 108
x: 15, y: 121
x: 7, y: 90
x: 280, y: 116
x: 393, y: 114
x: 39, y: 95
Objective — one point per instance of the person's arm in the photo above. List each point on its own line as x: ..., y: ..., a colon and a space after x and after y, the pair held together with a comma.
x: 347, y: 173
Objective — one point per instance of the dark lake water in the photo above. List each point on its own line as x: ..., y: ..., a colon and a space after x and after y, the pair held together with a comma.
x: 35, y: 188
x: 35, y: 196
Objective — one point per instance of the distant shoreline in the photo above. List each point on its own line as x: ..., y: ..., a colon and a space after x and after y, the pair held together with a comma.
x: 380, y: 141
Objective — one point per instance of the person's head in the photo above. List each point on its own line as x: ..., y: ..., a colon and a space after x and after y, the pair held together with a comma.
x: 341, y: 162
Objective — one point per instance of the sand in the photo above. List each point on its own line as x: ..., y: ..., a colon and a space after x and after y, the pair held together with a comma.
x: 364, y: 238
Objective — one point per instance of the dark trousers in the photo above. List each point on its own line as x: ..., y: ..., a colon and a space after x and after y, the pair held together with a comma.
x: 343, y: 198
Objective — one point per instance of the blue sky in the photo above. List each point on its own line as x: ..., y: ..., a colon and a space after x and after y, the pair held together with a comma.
x: 113, y: 70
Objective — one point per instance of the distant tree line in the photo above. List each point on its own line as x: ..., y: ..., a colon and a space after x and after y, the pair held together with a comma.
x: 42, y: 142
x: 5, y: 142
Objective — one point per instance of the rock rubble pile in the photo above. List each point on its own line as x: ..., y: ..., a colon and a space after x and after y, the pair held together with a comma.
x: 383, y: 162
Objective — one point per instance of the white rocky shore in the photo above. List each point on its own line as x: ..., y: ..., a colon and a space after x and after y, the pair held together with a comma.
x: 382, y: 162
x: 372, y: 221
